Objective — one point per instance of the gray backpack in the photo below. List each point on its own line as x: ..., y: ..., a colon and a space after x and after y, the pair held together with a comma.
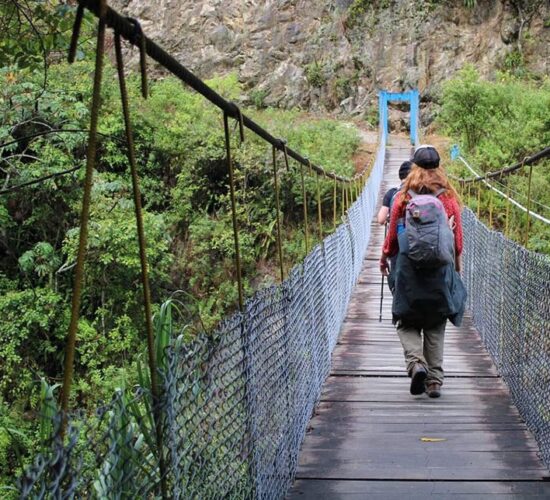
x: 428, y: 239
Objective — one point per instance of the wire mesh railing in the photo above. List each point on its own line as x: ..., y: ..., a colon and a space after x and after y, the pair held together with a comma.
x: 234, y: 405
x: 509, y: 297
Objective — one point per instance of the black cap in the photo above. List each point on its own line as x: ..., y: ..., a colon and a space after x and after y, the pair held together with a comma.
x: 426, y: 156
x: 404, y: 169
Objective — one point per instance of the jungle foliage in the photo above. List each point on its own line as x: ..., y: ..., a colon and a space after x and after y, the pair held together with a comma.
x: 498, y: 123
x: 185, y: 194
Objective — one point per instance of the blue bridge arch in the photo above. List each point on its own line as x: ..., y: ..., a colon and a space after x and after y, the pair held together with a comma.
x: 412, y: 97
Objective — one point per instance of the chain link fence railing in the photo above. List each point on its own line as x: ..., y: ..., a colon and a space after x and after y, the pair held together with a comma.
x: 235, y: 403
x: 509, y: 297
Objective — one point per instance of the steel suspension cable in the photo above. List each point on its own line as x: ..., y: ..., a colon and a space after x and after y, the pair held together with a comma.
x: 334, y: 196
x: 233, y: 209
x: 84, y: 216
x: 481, y: 179
x: 142, y: 256
x: 528, y: 160
x: 528, y: 221
x: 278, y: 212
x: 517, y: 193
x: 343, y: 206
x: 304, y: 199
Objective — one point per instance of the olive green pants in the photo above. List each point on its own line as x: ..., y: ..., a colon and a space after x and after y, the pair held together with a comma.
x: 425, y: 349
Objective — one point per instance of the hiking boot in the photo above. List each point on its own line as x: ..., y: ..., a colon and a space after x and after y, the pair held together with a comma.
x: 433, y: 389
x: 418, y: 376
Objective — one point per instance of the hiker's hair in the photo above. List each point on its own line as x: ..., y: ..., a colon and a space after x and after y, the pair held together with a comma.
x: 423, y: 181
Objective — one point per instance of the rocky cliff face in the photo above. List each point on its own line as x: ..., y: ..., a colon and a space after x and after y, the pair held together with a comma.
x: 334, y: 55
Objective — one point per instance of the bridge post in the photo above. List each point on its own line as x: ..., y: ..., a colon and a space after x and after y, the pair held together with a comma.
x: 414, y: 101
x: 383, y: 113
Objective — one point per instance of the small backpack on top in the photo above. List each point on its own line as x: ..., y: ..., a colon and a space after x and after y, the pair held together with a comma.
x: 401, y: 220
x: 427, y: 238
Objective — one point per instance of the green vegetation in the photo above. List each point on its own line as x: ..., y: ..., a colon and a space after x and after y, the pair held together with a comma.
x: 34, y: 32
x: 498, y: 124
x: 258, y: 97
x: 315, y: 74
x: 184, y: 180
x: 357, y: 12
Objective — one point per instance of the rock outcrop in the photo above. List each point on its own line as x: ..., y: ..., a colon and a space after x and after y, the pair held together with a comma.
x: 334, y: 55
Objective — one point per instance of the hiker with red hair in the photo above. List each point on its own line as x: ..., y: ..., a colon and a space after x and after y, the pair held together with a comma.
x: 425, y: 236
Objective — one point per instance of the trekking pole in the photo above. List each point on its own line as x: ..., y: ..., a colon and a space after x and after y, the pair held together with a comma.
x: 382, y: 285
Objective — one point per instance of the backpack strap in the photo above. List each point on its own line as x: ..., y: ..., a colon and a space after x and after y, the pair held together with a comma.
x: 412, y: 193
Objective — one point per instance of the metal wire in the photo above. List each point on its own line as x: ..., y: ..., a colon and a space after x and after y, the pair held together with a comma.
x: 142, y: 245
x: 528, y: 160
x: 509, y: 296
x: 84, y: 214
x: 230, y: 169
x: 507, y: 197
x: 304, y: 201
x: 278, y: 214
x: 509, y: 190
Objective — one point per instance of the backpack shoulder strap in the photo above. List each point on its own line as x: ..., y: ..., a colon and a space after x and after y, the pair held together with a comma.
x: 439, y: 192
x: 412, y: 193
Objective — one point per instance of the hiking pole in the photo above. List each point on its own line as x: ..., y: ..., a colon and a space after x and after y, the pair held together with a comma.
x: 382, y: 286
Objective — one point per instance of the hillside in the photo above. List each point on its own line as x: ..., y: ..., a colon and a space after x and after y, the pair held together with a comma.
x: 335, y: 55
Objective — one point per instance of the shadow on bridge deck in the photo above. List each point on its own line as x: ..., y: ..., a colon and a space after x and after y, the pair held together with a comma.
x: 365, y: 440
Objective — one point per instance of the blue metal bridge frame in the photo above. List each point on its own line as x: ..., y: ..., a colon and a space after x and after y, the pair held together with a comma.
x: 412, y: 97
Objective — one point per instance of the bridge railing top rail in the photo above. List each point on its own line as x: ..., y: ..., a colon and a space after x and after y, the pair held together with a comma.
x: 126, y: 28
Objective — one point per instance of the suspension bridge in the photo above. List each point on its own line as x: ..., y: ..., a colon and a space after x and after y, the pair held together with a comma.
x: 228, y: 414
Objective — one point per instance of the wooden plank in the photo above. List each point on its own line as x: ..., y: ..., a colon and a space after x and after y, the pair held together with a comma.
x: 416, y: 409
x: 305, y: 489
x: 395, y: 372
x: 370, y: 365
x: 481, y: 391
x: 413, y: 465
x: 392, y: 349
x: 325, y: 427
x: 449, y: 442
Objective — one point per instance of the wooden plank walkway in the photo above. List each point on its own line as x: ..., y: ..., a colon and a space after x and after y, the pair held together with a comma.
x: 365, y: 440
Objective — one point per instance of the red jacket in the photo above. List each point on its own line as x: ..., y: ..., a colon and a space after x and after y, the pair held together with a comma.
x: 452, y: 207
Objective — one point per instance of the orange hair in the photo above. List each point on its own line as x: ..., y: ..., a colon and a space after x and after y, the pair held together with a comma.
x: 423, y: 180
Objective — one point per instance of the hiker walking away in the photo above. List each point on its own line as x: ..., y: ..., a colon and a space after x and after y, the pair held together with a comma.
x: 428, y: 289
x: 383, y: 216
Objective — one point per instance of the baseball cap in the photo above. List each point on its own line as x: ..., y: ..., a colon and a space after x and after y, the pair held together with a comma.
x: 426, y: 156
x: 404, y: 169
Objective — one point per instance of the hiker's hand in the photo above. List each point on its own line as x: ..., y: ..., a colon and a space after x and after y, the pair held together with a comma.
x: 452, y: 223
x: 458, y: 263
x: 384, y: 268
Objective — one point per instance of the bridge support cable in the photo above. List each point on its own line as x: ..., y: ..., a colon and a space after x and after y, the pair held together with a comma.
x: 84, y: 214
x: 278, y: 215
x: 506, y: 196
x: 142, y: 255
